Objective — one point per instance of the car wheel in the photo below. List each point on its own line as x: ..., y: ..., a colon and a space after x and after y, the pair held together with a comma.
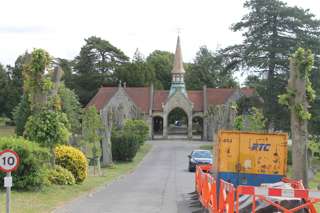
x: 191, y: 169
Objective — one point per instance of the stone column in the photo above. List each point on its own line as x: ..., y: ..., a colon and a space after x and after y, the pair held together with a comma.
x: 151, y: 91
x: 150, y: 122
x: 205, y: 129
x: 190, y: 126
x: 205, y: 110
x: 165, y: 126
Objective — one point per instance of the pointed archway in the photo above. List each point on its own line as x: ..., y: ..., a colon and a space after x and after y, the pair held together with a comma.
x: 177, y: 122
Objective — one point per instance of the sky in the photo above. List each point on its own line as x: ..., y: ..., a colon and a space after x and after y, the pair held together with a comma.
x: 60, y: 26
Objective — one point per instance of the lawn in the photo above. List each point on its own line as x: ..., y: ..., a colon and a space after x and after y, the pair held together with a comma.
x: 206, y: 146
x: 6, y: 131
x: 53, y: 196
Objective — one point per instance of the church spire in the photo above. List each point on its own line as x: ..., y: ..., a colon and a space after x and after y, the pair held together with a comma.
x: 178, y: 63
x: 178, y: 71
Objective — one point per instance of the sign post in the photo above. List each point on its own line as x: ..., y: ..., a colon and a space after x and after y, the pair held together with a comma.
x: 9, y: 161
x: 8, y: 185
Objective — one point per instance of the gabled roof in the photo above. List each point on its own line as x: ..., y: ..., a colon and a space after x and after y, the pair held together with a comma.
x: 196, y: 97
x: 141, y: 97
x: 216, y: 96
x: 102, y: 97
x: 248, y: 92
x: 159, y: 97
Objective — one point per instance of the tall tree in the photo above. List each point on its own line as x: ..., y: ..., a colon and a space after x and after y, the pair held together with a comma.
x: 272, y: 31
x: 299, y: 94
x: 137, y: 72
x: 162, y: 62
x: 4, y: 79
x: 208, y: 69
x: 95, y: 65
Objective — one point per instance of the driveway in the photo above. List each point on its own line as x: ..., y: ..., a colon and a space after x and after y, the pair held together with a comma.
x: 161, y: 183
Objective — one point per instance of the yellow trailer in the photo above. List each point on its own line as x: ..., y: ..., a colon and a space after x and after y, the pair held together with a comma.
x: 251, y: 158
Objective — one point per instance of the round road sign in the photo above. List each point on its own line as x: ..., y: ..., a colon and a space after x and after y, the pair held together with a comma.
x: 9, y: 160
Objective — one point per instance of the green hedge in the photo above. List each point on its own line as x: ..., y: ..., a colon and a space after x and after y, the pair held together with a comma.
x: 139, y: 128
x: 124, y: 145
x: 33, y: 158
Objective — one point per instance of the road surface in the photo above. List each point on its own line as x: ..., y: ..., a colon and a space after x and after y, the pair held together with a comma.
x: 161, y: 184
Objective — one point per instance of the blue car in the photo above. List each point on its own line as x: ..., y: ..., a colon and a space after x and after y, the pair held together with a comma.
x: 199, y: 157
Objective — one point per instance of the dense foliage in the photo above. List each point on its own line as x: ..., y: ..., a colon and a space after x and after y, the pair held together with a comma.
x: 94, y: 66
x: 209, y: 69
x: 71, y: 107
x: 91, y: 124
x: 21, y: 114
x: 73, y: 160
x: 272, y: 31
x: 161, y: 62
x: 48, y: 128
x: 60, y: 176
x: 30, y: 174
x: 136, y: 73
x: 138, y: 127
x: 253, y: 120
x: 124, y: 145
x: 4, y: 78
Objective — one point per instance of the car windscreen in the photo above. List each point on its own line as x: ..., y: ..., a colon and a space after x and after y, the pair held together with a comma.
x: 201, y: 154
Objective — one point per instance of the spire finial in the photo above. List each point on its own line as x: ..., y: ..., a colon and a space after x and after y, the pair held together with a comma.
x: 178, y: 63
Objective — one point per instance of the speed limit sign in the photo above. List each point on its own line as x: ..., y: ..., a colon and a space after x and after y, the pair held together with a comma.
x: 9, y: 160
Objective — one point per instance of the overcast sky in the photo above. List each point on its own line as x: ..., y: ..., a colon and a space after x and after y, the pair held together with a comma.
x: 60, y: 26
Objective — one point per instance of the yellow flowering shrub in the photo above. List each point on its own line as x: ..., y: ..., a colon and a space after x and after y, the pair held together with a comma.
x: 72, y: 159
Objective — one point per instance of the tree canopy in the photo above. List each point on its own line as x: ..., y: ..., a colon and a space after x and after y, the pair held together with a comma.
x: 208, y: 69
x: 272, y: 31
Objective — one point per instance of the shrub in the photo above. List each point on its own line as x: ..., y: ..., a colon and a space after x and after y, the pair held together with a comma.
x: 29, y: 175
x: 60, y: 176
x: 124, y: 145
x: 72, y: 159
x: 48, y: 128
x: 138, y: 127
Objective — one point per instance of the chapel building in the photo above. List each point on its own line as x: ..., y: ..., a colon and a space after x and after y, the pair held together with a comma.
x: 155, y: 106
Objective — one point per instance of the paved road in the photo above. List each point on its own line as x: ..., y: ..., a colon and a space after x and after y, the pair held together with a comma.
x: 160, y: 184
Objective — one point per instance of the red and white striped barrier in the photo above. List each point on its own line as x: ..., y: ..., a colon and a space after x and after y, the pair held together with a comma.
x: 277, y: 192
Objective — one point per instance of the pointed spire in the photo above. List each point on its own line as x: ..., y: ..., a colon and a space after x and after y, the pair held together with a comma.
x: 178, y: 63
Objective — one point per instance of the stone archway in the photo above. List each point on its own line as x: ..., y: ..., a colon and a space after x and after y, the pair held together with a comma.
x: 157, y: 122
x: 177, y: 122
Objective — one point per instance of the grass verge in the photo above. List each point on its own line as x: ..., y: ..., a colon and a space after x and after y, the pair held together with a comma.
x: 6, y: 131
x: 206, y: 146
x: 53, y: 196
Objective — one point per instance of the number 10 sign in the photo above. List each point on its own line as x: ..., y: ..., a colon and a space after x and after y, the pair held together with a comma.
x: 9, y: 160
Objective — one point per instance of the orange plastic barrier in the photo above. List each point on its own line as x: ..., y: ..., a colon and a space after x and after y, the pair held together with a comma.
x: 226, y: 197
x: 228, y: 202
x: 206, y: 187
